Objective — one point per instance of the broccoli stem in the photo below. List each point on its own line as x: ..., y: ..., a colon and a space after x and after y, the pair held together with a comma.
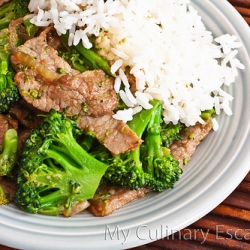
x: 3, y: 82
x: 153, y: 139
x: 4, y: 64
x: 6, y: 15
x: 140, y: 120
x: 96, y: 61
x: 76, y: 152
x: 87, y: 141
x: 92, y: 59
x: 12, y: 10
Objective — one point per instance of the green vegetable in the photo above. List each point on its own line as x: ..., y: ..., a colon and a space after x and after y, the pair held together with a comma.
x: 8, y: 156
x: 3, y: 197
x: 149, y: 165
x: 96, y: 61
x: 75, y: 59
x: 12, y: 10
x: 30, y: 28
x: 88, y: 58
x: 207, y: 114
x: 161, y: 168
x: 4, y: 51
x: 8, y: 92
x: 8, y: 88
x: 55, y: 171
x: 170, y: 132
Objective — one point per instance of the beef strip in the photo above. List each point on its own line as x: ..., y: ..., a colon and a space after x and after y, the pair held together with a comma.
x: 6, y: 122
x: 23, y: 135
x: 26, y: 115
x: 132, y: 82
x: 77, y: 208
x: 90, y: 95
x: 113, y: 134
x: 108, y: 199
x: 3, y: 1
x: 191, y: 137
x: 38, y: 49
x: 73, y: 93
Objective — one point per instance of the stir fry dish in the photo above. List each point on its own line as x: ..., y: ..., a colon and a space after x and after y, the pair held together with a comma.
x: 103, y: 102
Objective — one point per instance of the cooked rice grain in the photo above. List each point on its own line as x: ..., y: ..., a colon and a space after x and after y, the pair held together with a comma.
x: 170, y: 53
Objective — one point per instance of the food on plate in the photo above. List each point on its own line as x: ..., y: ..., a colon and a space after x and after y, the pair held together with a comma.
x: 7, y: 191
x: 8, y: 156
x: 12, y: 10
x: 108, y: 199
x: 150, y: 164
x: 8, y: 88
x: 110, y: 99
x: 56, y: 173
x: 191, y: 137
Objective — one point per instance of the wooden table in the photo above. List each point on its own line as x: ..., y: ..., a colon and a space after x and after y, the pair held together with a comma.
x: 228, y: 225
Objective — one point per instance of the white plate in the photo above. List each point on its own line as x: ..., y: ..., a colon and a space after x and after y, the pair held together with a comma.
x: 218, y: 166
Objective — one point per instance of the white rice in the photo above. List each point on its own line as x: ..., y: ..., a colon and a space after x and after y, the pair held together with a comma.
x: 170, y: 53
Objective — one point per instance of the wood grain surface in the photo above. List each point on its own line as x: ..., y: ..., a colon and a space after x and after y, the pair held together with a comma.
x: 243, y: 7
x: 228, y: 225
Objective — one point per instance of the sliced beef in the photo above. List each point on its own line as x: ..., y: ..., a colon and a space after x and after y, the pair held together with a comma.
x: 54, y: 40
x: 6, y: 122
x: 26, y: 115
x: 191, y: 137
x: 88, y: 93
x: 113, y: 134
x: 23, y: 135
x: 77, y: 208
x: 37, y: 49
x: 73, y: 93
x: 3, y: 1
x: 108, y: 199
x: 132, y: 82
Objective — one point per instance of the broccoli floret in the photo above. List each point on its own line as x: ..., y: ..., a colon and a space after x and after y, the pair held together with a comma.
x: 12, y: 10
x: 55, y: 171
x: 8, y: 92
x: 3, y: 197
x: 126, y: 169
x: 8, y: 156
x: 8, y: 88
x: 161, y: 168
x: 170, y: 132
x: 150, y: 164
